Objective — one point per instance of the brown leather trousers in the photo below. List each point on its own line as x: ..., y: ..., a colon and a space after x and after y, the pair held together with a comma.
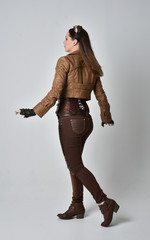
x: 75, y: 125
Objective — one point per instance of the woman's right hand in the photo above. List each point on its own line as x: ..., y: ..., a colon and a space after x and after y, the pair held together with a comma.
x: 111, y: 123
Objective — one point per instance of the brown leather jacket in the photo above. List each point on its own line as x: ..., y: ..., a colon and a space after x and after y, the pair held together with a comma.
x: 73, y: 79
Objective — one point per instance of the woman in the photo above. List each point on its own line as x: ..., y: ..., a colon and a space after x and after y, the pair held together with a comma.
x: 77, y: 74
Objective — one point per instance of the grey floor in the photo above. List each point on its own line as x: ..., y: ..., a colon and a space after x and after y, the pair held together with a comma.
x: 31, y: 213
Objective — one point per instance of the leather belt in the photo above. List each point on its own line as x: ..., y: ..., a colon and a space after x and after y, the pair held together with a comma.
x: 86, y: 114
x: 72, y: 106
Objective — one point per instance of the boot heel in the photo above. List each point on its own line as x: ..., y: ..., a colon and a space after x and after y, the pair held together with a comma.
x: 81, y: 215
x: 116, y: 208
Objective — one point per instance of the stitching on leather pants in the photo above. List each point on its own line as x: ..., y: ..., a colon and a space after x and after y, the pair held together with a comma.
x: 78, y: 125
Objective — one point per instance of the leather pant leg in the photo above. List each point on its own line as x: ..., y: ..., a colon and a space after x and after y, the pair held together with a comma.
x: 77, y: 185
x: 73, y: 132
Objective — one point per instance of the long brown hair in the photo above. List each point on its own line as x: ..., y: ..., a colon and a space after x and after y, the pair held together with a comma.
x: 77, y: 32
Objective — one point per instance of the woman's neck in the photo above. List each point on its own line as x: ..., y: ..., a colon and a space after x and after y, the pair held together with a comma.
x: 75, y: 48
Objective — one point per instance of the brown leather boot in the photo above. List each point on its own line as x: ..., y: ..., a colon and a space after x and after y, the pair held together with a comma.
x: 75, y: 209
x: 107, y: 208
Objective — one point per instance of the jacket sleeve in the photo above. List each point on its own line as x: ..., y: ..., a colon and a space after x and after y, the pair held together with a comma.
x: 58, y: 85
x: 102, y: 101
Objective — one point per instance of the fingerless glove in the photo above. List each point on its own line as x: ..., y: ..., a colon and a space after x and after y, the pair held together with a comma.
x: 111, y: 122
x: 27, y: 112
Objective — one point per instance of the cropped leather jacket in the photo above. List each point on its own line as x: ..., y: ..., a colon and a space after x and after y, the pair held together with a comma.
x: 73, y: 79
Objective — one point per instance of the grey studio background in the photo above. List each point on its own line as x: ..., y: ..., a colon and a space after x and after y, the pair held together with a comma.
x: 34, y: 180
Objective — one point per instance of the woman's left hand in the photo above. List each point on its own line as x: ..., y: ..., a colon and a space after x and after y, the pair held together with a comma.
x: 17, y: 111
x: 26, y: 112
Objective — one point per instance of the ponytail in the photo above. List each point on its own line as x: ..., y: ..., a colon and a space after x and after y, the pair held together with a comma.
x: 77, y: 32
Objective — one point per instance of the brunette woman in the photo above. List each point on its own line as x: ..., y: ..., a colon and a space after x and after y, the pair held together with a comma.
x: 77, y: 74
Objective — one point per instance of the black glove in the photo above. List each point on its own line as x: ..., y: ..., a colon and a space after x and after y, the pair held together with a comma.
x: 111, y: 122
x: 27, y: 112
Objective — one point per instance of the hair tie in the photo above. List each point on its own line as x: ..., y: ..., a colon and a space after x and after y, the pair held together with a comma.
x: 77, y: 29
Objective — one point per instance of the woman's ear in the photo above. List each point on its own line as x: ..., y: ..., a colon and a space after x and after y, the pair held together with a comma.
x: 75, y: 42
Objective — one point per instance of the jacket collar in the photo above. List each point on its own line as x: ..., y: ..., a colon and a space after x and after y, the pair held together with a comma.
x: 77, y: 52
